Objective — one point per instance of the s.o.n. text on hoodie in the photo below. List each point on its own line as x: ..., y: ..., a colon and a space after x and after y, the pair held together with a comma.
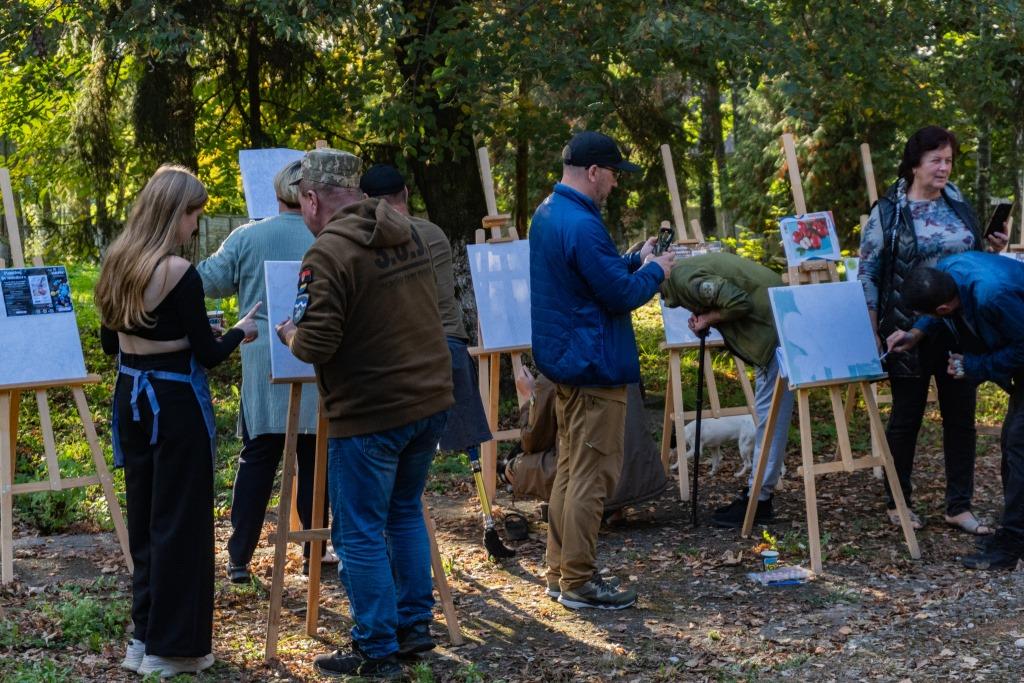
x: 367, y: 319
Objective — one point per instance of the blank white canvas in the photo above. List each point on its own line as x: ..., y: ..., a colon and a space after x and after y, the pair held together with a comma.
x: 677, y: 328
x: 824, y: 333
x: 259, y: 166
x: 501, y: 285
x: 282, y: 279
x: 39, y: 348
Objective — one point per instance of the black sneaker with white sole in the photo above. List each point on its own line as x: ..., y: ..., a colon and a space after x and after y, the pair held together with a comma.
x: 597, y: 594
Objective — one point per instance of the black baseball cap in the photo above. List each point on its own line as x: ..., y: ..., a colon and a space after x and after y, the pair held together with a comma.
x: 591, y: 148
x: 381, y: 180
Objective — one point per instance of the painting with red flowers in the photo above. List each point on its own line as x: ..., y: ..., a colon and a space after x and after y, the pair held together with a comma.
x: 809, y: 236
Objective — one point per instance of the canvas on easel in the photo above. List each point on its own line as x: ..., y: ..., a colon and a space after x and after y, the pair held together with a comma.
x: 679, y: 338
x: 813, y: 323
x: 499, y: 265
x: 40, y: 349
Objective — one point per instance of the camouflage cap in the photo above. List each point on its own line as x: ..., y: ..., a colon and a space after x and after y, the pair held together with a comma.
x: 332, y: 167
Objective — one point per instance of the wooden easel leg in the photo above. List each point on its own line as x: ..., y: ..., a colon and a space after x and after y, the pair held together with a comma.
x: 488, y: 449
x: 676, y: 384
x: 12, y: 428
x: 709, y: 378
x: 890, y: 470
x: 810, y: 492
x: 103, y: 472
x: 489, y: 461
x: 762, y: 461
x: 283, y: 511
x: 441, y: 581
x: 7, y: 438
x: 748, y: 391
x: 666, y: 430
x: 316, y: 547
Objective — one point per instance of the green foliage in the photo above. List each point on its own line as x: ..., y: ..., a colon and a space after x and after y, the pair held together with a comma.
x: 88, y: 620
x: 45, y: 671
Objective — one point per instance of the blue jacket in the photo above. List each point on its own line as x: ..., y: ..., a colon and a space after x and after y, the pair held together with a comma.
x: 991, y: 290
x: 581, y: 294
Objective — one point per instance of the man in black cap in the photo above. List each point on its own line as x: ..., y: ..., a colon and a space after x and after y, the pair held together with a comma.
x: 467, y: 424
x: 582, y: 292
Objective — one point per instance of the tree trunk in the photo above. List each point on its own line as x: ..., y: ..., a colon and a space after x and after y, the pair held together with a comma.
x: 720, y: 162
x: 706, y: 154
x: 164, y: 113
x: 522, y: 208
x: 984, y: 171
x: 448, y: 179
x: 257, y: 138
x: 1018, y: 178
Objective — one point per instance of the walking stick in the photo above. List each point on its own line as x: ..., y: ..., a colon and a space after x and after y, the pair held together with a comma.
x: 703, y: 334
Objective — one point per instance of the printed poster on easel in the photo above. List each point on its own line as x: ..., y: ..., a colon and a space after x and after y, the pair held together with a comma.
x: 809, y: 236
x: 38, y: 330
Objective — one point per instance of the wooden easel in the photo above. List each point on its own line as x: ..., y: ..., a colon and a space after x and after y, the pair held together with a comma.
x: 678, y: 417
x: 284, y: 535
x: 10, y: 403
x: 846, y: 461
x: 489, y: 359
x: 677, y: 206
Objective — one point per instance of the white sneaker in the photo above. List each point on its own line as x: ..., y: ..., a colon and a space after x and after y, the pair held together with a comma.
x: 133, y: 655
x: 329, y: 557
x: 172, y: 666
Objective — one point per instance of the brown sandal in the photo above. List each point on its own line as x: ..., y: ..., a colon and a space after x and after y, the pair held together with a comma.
x: 970, y: 524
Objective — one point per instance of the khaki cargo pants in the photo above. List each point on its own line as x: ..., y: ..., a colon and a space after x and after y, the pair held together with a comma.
x: 591, y: 433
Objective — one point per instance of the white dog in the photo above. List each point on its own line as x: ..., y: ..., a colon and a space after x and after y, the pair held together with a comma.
x: 716, y: 432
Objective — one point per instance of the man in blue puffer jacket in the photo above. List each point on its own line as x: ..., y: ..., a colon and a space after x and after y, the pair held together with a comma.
x: 582, y: 293
x: 980, y: 298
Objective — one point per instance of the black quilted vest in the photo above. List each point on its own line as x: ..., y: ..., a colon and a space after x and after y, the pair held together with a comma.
x: 898, y: 258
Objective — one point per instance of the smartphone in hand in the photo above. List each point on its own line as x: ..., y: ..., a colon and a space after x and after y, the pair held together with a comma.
x: 997, y: 221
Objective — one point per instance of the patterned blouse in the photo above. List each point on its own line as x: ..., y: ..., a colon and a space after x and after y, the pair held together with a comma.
x: 940, y: 233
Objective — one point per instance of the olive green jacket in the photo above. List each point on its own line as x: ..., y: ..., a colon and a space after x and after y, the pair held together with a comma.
x: 738, y: 289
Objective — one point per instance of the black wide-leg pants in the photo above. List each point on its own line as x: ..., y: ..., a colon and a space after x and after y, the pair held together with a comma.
x: 169, y: 491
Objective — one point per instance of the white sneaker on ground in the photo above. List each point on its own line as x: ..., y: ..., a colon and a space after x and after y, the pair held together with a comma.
x: 329, y: 557
x: 133, y: 655
x: 172, y: 666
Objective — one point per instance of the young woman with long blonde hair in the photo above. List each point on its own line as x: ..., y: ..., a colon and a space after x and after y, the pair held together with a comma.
x: 153, y: 311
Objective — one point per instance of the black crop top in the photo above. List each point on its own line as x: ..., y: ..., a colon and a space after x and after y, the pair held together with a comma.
x: 182, y: 313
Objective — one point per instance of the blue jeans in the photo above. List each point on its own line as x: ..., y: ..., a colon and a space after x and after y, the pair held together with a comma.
x: 764, y: 381
x: 376, y: 481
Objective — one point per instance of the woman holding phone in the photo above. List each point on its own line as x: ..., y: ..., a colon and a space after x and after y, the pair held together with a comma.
x: 153, y: 314
x: 921, y: 219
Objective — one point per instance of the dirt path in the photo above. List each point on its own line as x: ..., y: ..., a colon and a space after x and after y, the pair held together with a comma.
x: 874, y: 614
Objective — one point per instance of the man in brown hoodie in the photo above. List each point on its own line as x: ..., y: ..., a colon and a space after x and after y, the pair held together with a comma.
x: 366, y: 317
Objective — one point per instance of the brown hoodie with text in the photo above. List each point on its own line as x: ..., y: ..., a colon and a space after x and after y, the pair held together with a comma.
x: 369, y: 323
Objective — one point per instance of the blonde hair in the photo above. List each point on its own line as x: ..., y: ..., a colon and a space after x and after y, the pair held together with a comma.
x: 283, y: 187
x: 149, y: 235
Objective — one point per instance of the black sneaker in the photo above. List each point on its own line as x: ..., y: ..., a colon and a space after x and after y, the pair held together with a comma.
x: 239, y: 573
x: 355, y: 663
x: 731, y: 516
x: 596, y: 594
x: 1001, y: 552
x: 415, y: 639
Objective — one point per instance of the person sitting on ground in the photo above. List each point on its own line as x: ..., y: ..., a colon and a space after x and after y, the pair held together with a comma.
x: 531, y: 473
x: 730, y: 293
x: 980, y: 297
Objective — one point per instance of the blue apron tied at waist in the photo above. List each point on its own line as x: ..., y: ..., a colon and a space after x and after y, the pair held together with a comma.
x: 141, y: 382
